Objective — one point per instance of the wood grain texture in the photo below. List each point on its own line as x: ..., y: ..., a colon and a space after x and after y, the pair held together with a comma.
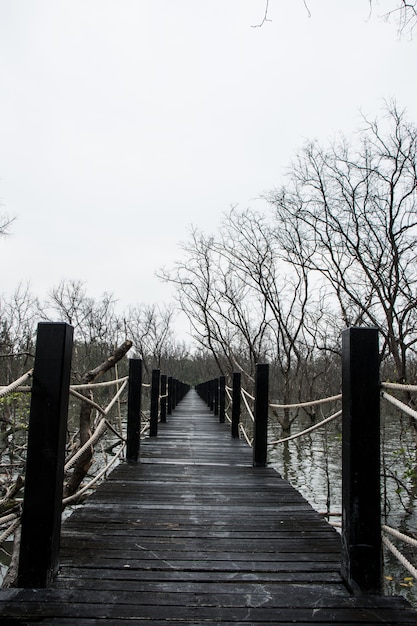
x: 194, y: 534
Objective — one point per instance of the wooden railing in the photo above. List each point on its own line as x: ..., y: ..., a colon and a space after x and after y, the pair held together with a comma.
x: 44, y: 477
x: 213, y: 392
x: 361, y: 532
x: 165, y: 393
x: 361, y: 516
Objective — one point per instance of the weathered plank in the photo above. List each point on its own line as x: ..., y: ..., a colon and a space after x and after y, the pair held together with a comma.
x: 194, y: 534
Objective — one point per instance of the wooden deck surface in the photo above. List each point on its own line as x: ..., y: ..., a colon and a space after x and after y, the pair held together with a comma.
x: 195, y: 535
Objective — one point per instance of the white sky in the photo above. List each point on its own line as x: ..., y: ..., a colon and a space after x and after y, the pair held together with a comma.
x: 123, y: 122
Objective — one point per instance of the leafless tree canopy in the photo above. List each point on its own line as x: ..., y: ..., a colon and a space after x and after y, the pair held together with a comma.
x: 402, y: 13
x: 337, y: 247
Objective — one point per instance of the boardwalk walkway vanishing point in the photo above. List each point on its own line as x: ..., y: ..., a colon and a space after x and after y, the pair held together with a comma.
x: 194, y: 534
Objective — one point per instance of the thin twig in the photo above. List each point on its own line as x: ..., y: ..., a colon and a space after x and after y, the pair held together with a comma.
x: 265, y: 18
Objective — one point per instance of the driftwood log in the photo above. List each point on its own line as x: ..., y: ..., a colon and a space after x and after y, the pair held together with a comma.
x: 84, y: 462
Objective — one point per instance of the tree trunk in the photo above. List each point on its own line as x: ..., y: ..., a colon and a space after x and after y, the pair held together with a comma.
x: 84, y: 462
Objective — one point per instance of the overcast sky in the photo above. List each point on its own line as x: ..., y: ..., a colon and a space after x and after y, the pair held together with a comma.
x: 123, y: 122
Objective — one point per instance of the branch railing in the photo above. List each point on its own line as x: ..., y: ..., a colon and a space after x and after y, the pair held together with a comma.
x: 103, y: 426
x: 47, y: 460
x: 388, y: 530
x: 363, y: 535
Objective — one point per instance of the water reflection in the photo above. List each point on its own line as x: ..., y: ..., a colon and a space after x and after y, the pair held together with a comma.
x: 313, y: 465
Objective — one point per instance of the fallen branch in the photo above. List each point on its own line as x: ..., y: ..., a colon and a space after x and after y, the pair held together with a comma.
x: 84, y: 462
x: 11, y: 575
x: 6, y: 501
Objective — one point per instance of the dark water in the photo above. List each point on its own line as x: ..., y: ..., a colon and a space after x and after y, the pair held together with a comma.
x: 313, y: 465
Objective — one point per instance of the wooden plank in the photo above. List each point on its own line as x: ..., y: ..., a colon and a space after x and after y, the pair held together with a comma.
x: 194, y: 534
x: 345, y: 612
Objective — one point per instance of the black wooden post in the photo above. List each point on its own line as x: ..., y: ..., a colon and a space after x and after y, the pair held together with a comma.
x: 236, y: 404
x: 174, y: 392
x: 134, y: 406
x: 222, y: 399
x: 212, y: 394
x: 260, y: 431
x: 216, y: 396
x: 153, y: 425
x: 169, y: 407
x: 42, y: 506
x: 209, y: 395
x: 206, y: 392
x: 163, y: 398
x: 361, y: 508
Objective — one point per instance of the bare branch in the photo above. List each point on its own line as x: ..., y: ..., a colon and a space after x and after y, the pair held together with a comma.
x: 405, y: 14
x: 307, y: 9
x: 265, y: 18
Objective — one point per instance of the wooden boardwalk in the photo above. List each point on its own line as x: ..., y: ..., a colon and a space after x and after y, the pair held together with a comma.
x: 195, y: 535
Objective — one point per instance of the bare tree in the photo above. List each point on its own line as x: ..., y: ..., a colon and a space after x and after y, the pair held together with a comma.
x: 223, y: 315
x: 97, y: 326
x: 19, y: 313
x: 350, y: 215
x: 151, y: 329
x: 5, y: 223
x: 402, y: 12
x: 247, y: 304
x: 250, y: 244
x: 195, y: 277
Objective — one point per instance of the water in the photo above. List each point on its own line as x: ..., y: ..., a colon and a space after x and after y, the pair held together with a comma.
x: 104, y: 453
x: 312, y: 464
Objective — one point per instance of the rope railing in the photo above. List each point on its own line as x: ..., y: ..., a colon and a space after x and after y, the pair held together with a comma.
x: 100, y: 430
x: 115, y: 432
x: 106, y: 383
x: 248, y: 440
x: 8, y: 518
x: 399, y: 535
x: 394, y: 550
x: 245, y: 395
x: 360, y: 368
x: 400, y: 557
x: 48, y: 420
x: 407, y: 410
x: 14, y: 386
x: 103, y: 425
x: 83, y: 398
x: 327, y: 420
x: 399, y: 405
x: 95, y: 437
x: 9, y: 531
x: 115, y: 398
x: 145, y: 427
x: 230, y: 403
x: 299, y: 405
x: 398, y: 386
x: 88, y: 486
x: 18, y: 385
